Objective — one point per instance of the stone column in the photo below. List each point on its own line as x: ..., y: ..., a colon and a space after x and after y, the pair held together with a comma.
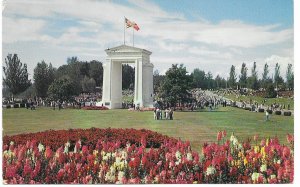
x: 106, y: 89
x: 116, y: 84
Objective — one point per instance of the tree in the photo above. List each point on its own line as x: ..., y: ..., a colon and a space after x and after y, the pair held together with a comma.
x: 96, y: 72
x: 15, y: 75
x: 176, y: 84
x: 43, y: 76
x: 265, y: 76
x: 243, y: 76
x: 253, y: 80
x: 278, y: 80
x: 290, y: 77
x: 232, y: 77
x: 198, y: 79
x: 61, y: 89
x: 157, y: 80
x: 209, y: 80
x: 88, y: 85
x: 127, y: 77
x: 270, y: 91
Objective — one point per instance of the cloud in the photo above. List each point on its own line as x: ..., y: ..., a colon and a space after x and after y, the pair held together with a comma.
x: 23, y: 29
x: 88, y: 27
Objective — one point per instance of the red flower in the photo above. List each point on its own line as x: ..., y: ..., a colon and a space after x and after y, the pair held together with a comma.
x: 60, y: 174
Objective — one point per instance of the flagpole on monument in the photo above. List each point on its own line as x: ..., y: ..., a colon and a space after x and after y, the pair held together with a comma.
x: 124, y: 29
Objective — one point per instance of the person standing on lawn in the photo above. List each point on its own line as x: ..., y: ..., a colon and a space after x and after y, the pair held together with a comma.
x: 267, y: 115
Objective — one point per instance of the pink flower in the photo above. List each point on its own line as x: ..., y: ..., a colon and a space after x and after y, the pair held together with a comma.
x: 10, y: 171
x: 224, y: 133
x: 144, y: 141
x: 219, y: 135
x: 48, y: 152
x: 286, y: 152
x: 255, y: 138
x: 290, y: 138
x: 85, y: 150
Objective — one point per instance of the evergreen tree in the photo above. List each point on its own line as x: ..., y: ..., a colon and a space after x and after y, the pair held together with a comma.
x: 290, y: 77
x: 278, y: 80
x: 199, y: 79
x: 253, y: 80
x: 43, y: 76
x: 265, y: 76
x: 232, y: 77
x: 243, y: 76
x: 15, y: 75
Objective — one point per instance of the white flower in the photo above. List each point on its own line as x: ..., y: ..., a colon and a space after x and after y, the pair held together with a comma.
x: 232, y: 137
x: 11, y: 143
x: 273, y: 176
x: 189, y: 157
x: 278, y: 161
x: 110, y: 177
x: 255, y: 176
x: 108, y: 154
x: 124, y: 155
x: 263, y: 168
x: 118, y: 160
x: 41, y: 147
x: 105, y: 158
x: 235, y: 141
x: 210, y: 170
x: 178, y: 155
x: 121, y: 174
x: 177, y: 162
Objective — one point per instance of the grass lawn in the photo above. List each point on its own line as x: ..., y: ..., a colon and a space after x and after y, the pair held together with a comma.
x: 269, y: 101
x: 198, y: 127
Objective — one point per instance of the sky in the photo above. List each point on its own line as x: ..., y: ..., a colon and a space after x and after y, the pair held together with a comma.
x: 210, y: 35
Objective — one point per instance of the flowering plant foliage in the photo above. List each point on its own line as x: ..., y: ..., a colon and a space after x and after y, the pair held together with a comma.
x: 172, y: 162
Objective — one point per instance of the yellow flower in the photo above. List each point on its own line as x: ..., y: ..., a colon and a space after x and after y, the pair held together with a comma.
x: 263, y: 152
x: 95, y: 152
x: 240, y: 154
x: 267, y: 142
x: 256, y: 149
x: 245, y: 161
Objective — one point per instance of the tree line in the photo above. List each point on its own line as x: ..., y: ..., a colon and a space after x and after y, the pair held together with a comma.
x: 77, y: 76
x: 60, y: 83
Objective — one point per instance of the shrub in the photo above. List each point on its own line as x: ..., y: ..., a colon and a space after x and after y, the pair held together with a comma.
x: 270, y: 111
x: 287, y: 113
x: 8, y: 106
x: 16, y: 106
x: 278, y: 112
x: 261, y: 110
x: 94, y: 108
x: 22, y: 105
x: 247, y: 108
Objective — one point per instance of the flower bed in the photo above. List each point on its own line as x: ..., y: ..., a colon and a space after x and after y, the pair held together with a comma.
x: 90, y: 137
x: 229, y: 161
x: 94, y: 108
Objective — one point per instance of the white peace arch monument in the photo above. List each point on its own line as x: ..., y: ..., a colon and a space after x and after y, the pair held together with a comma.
x: 112, y: 76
